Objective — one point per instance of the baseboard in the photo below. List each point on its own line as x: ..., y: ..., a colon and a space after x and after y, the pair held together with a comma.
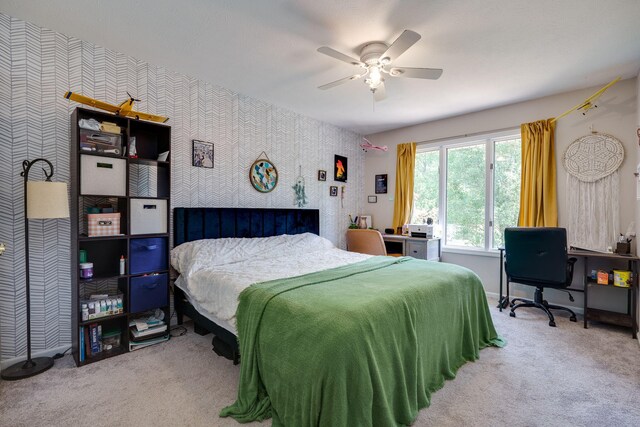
x: 577, y: 310
x: 44, y: 353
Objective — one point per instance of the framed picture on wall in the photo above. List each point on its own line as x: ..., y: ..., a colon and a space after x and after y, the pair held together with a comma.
x: 381, y: 184
x: 340, y: 168
x: 372, y: 199
x: 202, y: 154
x: 322, y: 175
x: 333, y: 191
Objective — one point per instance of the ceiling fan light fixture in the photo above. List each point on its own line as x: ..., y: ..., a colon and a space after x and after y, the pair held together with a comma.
x: 375, y: 77
x: 375, y: 57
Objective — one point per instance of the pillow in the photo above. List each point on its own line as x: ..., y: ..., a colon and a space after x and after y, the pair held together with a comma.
x: 190, y: 257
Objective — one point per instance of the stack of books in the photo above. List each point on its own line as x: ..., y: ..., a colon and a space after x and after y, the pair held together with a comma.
x: 90, y: 341
x: 146, y: 332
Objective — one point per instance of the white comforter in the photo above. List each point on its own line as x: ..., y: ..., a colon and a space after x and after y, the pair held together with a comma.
x: 214, y: 272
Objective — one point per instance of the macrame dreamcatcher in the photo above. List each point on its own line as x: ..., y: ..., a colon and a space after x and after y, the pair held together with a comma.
x: 592, y: 163
x: 300, y: 198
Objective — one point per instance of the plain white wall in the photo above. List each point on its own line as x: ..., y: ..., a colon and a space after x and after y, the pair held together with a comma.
x: 617, y: 114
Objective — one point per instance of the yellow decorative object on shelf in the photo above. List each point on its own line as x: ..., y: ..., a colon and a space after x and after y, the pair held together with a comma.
x: 124, y: 109
x: 622, y: 278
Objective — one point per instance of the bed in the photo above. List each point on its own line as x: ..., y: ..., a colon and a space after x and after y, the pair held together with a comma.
x: 364, y: 342
x: 192, y: 224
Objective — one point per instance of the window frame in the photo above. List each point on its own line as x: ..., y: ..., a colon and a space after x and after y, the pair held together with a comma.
x: 489, y: 140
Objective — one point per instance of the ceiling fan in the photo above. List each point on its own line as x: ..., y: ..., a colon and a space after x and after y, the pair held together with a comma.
x: 376, y: 59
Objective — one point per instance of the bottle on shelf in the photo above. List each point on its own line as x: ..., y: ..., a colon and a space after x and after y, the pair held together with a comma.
x: 121, y: 265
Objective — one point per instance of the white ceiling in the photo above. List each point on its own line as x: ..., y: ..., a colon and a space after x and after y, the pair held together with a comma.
x: 493, y: 52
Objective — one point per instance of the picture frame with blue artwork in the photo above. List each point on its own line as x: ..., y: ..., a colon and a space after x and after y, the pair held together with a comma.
x: 263, y: 175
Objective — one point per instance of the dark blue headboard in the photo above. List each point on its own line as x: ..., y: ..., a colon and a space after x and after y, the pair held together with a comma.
x: 213, y: 223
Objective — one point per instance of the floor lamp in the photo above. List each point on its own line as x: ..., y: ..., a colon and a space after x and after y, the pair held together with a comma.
x: 42, y: 200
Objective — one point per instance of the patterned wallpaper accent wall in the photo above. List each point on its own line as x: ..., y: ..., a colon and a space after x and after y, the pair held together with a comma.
x: 38, y: 65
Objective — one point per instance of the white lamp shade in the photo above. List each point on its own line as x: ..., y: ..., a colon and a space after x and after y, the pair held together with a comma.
x: 47, y: 200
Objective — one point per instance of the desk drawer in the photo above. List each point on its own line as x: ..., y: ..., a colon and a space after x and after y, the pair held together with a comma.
x: 417, y: 249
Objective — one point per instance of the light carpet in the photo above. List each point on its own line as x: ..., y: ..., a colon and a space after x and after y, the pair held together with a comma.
x: 564, y: 376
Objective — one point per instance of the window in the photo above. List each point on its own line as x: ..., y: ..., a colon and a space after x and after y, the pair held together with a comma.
x: 465, y: 202
x: 506, y: 187
x: 470, y: 187
x: 426, y: 185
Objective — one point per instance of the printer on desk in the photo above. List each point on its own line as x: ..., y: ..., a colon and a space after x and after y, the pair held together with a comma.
x: 421, y: 230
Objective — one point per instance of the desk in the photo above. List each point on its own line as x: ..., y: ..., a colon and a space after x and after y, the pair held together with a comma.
x: 417, y: 247
x: 628, y: 319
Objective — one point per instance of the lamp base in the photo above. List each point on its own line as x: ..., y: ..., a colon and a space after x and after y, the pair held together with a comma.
x: 25, y: 369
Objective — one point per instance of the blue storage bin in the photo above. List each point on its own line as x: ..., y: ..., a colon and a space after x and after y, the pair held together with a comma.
x: 148, y: 255
x: 148, y: 292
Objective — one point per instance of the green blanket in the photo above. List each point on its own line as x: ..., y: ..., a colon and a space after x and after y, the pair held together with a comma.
x: 359, y: 345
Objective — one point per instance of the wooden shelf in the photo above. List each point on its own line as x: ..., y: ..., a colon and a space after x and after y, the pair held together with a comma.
x: 147, y: 236
x: 109, y: 155
x: 85, y: 238
x: 103, y: 278
x: 104, y: 355
x: 103, y: 196
x: 592, y: 282
x: 148, y: 162
x: 102, y: 319
x: 610, y: 317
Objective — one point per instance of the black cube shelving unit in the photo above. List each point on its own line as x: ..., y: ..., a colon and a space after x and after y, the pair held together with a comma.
x: 151, y: 139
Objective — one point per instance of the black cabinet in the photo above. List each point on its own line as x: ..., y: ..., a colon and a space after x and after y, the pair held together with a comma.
x: 119, y: 214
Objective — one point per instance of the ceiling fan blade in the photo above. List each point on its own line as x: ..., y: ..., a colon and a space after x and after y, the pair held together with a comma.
x: 380, y: 93
x: 341, y: 81
x: 416, y: 73
x: 338, y: 55
x: 407, y: 39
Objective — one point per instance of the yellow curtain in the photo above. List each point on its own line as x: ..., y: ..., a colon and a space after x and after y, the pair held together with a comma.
x: 538, y: 199
x: 405, y: 166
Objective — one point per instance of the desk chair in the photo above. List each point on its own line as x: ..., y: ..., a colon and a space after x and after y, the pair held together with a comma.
x: 365, y: 241
x: 538, y: 257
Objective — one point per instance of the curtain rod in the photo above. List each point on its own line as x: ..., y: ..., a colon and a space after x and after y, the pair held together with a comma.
x: 466, y: 135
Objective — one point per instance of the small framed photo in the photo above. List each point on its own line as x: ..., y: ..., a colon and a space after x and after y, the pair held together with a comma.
x: 372, y: 199
x: 322, y: 175
x: 381, y: 184
x: 340, y: 168
x: 333, y: 191
x: 202, y: 154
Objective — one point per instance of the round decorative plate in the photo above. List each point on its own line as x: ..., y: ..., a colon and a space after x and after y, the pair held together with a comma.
x: 592, y: 157
x: 263, y: 175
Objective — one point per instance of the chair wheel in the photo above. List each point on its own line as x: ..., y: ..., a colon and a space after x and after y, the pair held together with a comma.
x: 512, y: 314
x: 573, y: 319
x: 552, y: 324
x: 505, y: 303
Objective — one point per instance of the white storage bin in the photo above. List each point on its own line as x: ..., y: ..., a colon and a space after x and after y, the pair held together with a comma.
x: 103, y: 176
x: 148, y: 216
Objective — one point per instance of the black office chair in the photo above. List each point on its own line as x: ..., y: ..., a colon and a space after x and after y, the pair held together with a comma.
x: 538, y: 257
